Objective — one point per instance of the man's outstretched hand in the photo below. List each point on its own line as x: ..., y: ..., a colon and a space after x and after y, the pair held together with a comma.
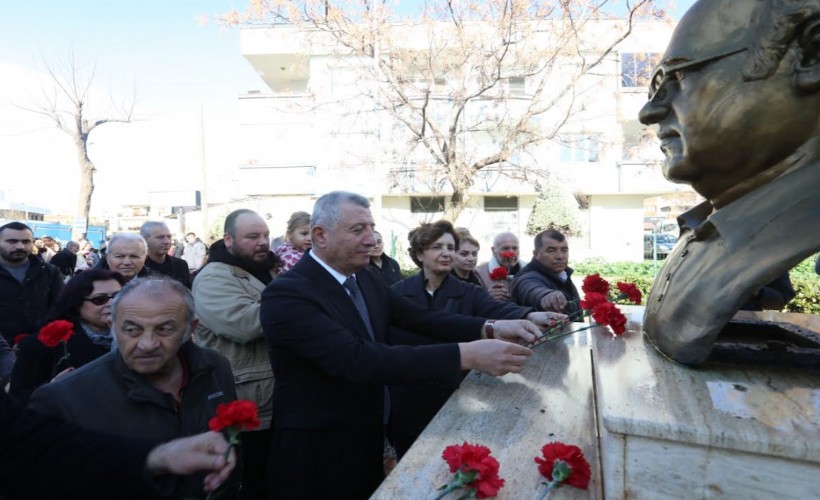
x: 495, y: 357
x: 203, y: 452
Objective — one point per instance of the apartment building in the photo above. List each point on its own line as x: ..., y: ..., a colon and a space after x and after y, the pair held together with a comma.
x: 318, y: 125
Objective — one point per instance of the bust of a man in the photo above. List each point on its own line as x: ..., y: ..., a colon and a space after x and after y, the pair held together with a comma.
x: 737, y: 102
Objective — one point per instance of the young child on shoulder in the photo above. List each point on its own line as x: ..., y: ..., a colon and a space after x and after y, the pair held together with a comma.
x: 297, y: 240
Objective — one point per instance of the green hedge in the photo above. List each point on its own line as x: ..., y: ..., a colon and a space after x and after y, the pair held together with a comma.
x: 806, y: 283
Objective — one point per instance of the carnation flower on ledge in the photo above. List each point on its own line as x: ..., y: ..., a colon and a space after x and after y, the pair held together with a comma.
x: 499, y: 273
x: 563, y: 464
x: 595, y: 284
x: 474, y: 469
x: 629, y: 291
x: 608, y: 314
x: 56, y: 333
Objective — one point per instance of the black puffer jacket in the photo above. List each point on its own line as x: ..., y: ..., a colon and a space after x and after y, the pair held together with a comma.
x: 23, y: 307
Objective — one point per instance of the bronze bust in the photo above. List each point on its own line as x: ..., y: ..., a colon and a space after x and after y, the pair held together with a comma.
x: 737, y: 102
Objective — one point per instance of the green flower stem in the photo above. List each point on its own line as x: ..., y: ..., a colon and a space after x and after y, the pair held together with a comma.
x: 550, y: 486
x: 66, y: 354
x: 449, y: 489
x: 460, y: 479
x: 544, y: 338
x: 233, y: 439
x: 560, y: 473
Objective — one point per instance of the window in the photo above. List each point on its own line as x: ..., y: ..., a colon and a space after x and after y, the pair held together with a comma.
x: 501, y: 203
x: 516, y: 85
x: 426, y: 204
x: 637, y: 68
x: 579, y: 148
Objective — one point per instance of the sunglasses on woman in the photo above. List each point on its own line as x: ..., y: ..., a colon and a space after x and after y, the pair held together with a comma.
x: 100, y: 300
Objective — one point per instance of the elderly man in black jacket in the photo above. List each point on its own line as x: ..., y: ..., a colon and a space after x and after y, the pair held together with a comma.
x: 46, y: 458
x: 28, y: 286
x: 157, y: 384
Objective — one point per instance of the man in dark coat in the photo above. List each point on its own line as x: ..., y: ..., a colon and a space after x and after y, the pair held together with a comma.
x: 47, y: 458
x: 546, y: 282
x: 157, y: 384
x: 28, y: 286
x: 66, y: 259
x: 158, y: 238
x: 326, y: 321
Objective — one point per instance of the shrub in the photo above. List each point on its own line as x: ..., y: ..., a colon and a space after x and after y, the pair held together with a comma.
x: 805, y: 281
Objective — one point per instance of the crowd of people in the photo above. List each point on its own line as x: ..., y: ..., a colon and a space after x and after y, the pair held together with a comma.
x: 346, y: 359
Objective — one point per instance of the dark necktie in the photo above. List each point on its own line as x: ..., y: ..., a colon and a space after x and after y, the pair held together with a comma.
x: 356, y: 295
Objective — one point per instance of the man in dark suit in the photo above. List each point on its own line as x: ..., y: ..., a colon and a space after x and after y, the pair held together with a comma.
x: 326, y: 321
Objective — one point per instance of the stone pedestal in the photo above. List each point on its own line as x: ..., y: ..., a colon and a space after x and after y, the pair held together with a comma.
x: 514, y: 415
x: 669, y: 431
x: 650, y: 428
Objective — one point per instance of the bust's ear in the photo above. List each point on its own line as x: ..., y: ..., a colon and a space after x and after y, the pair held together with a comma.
x: 807, y: 70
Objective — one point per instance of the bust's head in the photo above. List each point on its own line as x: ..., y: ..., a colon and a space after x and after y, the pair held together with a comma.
x: 737, y: 94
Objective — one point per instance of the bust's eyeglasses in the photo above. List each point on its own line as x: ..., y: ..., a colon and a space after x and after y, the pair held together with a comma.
x: 664, y: 72
x: 101, y: 300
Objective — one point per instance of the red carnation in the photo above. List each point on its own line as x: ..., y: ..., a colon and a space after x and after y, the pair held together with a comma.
x: 607, y: 314
x: 499, y: 273
x: 592, y: 299
x: 594, y: 283
x: 241, y: 415
x: 507, y: 255
x: 55, y: 332
x: 474, y: 468
x: 562, y: 463
x: 19, y: 338
x: 631, y: 291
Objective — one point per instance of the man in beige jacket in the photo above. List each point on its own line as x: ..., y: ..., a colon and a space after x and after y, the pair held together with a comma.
x: 227, y: 293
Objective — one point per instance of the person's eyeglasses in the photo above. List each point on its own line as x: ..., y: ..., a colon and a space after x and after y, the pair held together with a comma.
x: 101, y: 300
x: 664, y: 72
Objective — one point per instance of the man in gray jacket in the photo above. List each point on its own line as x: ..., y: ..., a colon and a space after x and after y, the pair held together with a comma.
x: 156, y: 385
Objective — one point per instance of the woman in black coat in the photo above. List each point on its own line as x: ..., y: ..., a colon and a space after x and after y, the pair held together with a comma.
x: 432, y: 248
x: 85, y: 301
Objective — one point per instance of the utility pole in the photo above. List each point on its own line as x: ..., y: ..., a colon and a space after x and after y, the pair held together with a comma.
x: 203, y: 194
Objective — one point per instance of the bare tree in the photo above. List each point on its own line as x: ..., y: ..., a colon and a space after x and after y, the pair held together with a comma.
x: 65, y: 97
x: 473, y: 85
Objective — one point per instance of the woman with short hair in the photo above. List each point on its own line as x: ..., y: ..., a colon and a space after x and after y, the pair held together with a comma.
x: 432, y: 247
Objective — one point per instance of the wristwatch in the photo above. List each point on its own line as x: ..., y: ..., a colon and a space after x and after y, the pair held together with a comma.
x: 489, y: 329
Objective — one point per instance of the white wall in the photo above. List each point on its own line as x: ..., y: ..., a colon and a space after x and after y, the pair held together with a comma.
x: 616, y: 228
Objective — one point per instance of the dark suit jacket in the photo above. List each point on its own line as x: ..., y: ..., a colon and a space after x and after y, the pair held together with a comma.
x: 330, y: 376
x: 413, y: 406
